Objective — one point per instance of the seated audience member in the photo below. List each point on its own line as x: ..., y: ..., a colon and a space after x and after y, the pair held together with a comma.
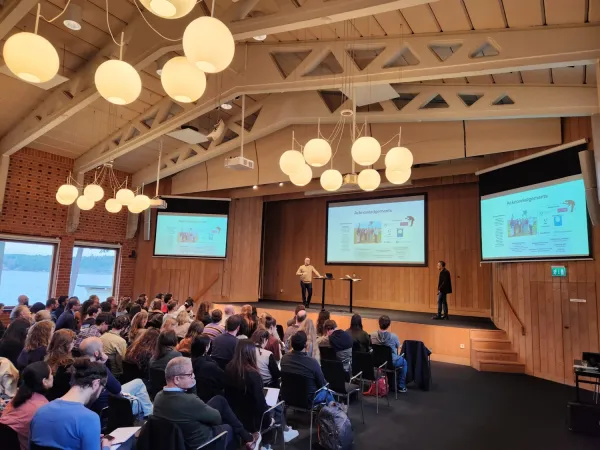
x: 138, y: 326
x: 92, y: 349
x: 13, y: 341
x: 214, y: 329
x: 385, y: 337
x: 312, y: 348
x: 265, y: 361
x: 244, y: 391
x: 2, y: 327
x: 22, y: 300
x: 340, y: 341
x: 188, y: 306
x: 324, y: 316
x: 98, y: 329
x: 293, y: 329
x: 66, y: 423
x: 228, y: 311
x: 274, y: 344
x: 123, y: 306
x: 113, y: 305
x: 36, y: 343
x: 155, y: 310
x: 142, y: 301
x: 90, y: 316
x: 298, y: 308
x: 165, y: 350
x: 9, y: 380
x: 209, y: 376
x: 299, y: 363
x: 249, y: 319
x: 361, y: 339
x: 141, y: 350
x: 114, y: 345
x: 223, y: 346
x: 36, y: 307
x: 95, y: 300
x: 21, y: 312
x: 166, y: 299
x: 67, y: 318
x: 62, y: 301
x: 35, y: 380
x: 42, y: 315
x: 244, y: 330
x: 198, y: 421
x: 155, y: 322
x: 135, y: 308
x: 105, y: 307
x: 168, y: 325
x: 51, y: 305
x: 171, y: 310
x: 183, y: 323
x: 60, y: 359
x: 195, y: 329
x: 202, y: 314
x: 83, y: 311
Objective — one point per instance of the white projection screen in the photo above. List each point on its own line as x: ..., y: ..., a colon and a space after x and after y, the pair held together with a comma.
x: 382, y: 231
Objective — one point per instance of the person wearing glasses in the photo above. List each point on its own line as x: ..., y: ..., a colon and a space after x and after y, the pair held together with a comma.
x: 198, y: 421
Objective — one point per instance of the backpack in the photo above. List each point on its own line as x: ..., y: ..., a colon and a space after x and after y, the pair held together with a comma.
x: 380, y: 388
x: 334, y: 429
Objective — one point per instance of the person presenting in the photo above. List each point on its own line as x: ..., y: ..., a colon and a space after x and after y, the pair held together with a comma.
x: 444, y: 288
x: 305, y: 272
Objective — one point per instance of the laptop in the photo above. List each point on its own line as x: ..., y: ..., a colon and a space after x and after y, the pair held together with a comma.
x: 329, y: 276
x: 593, y: 359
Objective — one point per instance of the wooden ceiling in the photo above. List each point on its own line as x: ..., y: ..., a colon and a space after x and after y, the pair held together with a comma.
x: 79, y: 133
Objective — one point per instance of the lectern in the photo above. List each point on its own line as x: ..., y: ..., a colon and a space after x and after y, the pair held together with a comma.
x: 325, y: 280
x: 351, y: 281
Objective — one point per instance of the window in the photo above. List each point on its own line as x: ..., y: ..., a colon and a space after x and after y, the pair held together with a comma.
x: 93, y: 271
x: 26, y: 268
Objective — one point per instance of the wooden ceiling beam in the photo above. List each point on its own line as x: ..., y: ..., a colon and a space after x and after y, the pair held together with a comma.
x: 12, y: 13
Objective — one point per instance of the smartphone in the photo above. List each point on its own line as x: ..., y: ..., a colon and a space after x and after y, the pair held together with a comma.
x: 109, y: 438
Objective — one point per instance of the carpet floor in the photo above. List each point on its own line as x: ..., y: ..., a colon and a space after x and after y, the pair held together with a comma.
x: 465, y: 409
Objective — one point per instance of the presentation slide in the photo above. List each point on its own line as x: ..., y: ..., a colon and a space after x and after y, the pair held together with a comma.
x: 381, y: 231
x: 200, y: 235
x: 546, y: 220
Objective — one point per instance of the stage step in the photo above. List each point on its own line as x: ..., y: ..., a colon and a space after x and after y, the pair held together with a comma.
x: 495, y: 355
x: 500, y: 366
x: 491, y: 344
x: 488, y: 334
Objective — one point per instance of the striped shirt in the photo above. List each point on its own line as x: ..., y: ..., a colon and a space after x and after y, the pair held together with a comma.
x: 212, y: 330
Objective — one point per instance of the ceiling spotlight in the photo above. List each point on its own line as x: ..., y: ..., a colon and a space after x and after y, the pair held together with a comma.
x: 73, y: 17
x: 280, y: 184
x: 160, y: 63
x: 226, y: 106
x: 255, y: 187
x: 260, y: 37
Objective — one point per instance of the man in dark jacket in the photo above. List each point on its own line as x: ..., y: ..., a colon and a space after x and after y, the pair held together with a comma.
x: 444, y: 288
x: 340, y: 341
x: 67, y: 319
x: 209, y: 376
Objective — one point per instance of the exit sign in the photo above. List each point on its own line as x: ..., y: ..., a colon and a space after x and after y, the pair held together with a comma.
x: 559, y: 271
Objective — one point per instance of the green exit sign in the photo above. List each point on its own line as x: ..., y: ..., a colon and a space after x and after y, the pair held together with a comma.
x: 559, y: 271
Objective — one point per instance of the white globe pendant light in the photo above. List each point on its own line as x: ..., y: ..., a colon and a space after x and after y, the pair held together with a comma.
x: 208, y: 43
x: 68, y: 193
x: 169, y: 9
x: 182, y: 80
x: 317, y: 152
x: 140, y: 202
x: 291, y: 162
x: 331, y: 180
x: 366, y: 151
x: 135, y: 209
x: 399, y: 158
x: 302, y: 177
x: 113, y: 206
x: 125, y: 196
x: 31, y: 57
x: 62, y: 201
x: 84, y: 203
x: 397, y: 176
x: 369, y: 179
x: 94, y: 192
x: 118, y: 82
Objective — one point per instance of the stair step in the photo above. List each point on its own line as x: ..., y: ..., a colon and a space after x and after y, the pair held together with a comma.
x: 501, y: 366
x: 491, y: 344
x: 495, y: 355
x: 488, y: 334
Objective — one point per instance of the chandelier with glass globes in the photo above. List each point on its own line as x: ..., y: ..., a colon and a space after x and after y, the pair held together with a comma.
x: 365, y: 151
x: 87, y: 197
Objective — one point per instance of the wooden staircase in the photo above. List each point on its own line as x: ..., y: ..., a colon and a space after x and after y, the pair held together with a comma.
x: 491, y: 351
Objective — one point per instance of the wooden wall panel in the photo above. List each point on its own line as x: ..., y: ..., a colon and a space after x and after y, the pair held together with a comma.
x: 295, y: 229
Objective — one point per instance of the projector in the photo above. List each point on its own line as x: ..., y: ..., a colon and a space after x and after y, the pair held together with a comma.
x: 158, y: 203
x: 239, y: 163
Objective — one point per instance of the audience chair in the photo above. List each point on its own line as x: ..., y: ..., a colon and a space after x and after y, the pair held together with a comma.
x: 274, y: 426
x: 222, y: 435
x: 9, y: 438
x: 160, y: 434
x: 327, y: 353
x: 336, y: 377
x: 383, y: 354
x: 280, y: 332
x: 364, y: 366
x: 157, y: 382
x: 131, y: 371
x: 294, y: 392
x: 221, y: 362
x: 119, y: 413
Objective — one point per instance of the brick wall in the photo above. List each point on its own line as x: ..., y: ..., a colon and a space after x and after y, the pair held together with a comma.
x: 30, y: 208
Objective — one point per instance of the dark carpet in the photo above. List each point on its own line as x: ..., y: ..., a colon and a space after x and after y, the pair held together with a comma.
x: 465, y: 410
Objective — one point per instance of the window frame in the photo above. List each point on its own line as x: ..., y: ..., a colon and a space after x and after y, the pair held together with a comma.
x: 101, y: 246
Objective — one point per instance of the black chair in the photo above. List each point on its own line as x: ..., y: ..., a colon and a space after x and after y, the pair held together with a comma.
x: 383, y: 354
x: 9, y: 438
x: 327, y: 353
x: 336, y: 377
x: 221, y: 362
x: 159, y: 434
x: 131, y: 371
x: 157, y: 382
x: 280, y: 332
x: 274, y: 426
x: 119, y: 413
x: 364, y: 365
x: 295, y: 394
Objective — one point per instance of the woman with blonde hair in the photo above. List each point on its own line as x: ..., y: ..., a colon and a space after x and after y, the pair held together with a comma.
x: 312, y: 349
x: 44, y: 314
x: 36, y: 343
x: 138, y: 325
x: 9, y: 380
x: 183, y: 323
x: 248, y: 317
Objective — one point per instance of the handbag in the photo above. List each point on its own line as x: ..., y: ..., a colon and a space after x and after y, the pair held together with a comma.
x: 380, y: 387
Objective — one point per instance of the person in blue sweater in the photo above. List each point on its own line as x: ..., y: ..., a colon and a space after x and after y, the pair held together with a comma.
x: 385, y: 337
x: 66, y: 423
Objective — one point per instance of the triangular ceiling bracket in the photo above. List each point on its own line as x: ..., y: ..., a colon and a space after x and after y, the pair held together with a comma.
x: 435, y: 102
x: 504, y: 99
x: 485, y: 50
x: 443, y: 51
x: 363, y: 57
x: 469, y: 99
x: 288, y: 62
x: 404, y: 58
x: 327, y: 64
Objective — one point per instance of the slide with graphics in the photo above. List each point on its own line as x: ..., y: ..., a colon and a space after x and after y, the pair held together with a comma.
x: 201, y: 235
x: 380, y: 231
x: 538, y: 221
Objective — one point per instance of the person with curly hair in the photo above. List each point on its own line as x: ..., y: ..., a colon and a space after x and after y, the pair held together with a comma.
x: 195, y: 329
x: 36, y: 343
x: 9, y: 380
x: 60, y: 359
x: 138, y: 326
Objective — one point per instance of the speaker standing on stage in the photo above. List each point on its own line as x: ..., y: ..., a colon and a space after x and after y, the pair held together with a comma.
x: 444, y: 288
x: 306, y: 272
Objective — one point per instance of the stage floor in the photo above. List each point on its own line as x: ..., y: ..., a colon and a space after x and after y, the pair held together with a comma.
x: 477, y: 323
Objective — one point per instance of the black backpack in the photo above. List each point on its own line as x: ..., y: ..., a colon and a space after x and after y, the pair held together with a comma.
x: 334, y: 429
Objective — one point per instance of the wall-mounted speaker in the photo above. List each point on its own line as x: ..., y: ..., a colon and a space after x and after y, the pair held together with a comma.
x: 588, y: 170
x: 147, y: 216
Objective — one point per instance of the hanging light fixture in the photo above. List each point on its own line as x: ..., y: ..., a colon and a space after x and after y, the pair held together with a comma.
x: 399, y: 158
x: 208, y: 43
x: 366, y: 151
x: 317, y: 152
x: 62, y: 201
x: 84, y: 203
x: 369, y: 179
x: 125, y: 196
x: 74, y: 17
x: 141, y: 202
x: 117, y: 81
x: 169, y: 9
x: 331, y: 180
x: 291, y: 161
x: 94, y: 192
x: 182, y: 80
x: 302, y: 177
x: 30, y: 56
x: 68, y: 194
x: 113, y: 206
x: 397, y: 176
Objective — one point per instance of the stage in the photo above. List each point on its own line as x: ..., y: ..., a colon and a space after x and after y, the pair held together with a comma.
x: 449, y: 340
